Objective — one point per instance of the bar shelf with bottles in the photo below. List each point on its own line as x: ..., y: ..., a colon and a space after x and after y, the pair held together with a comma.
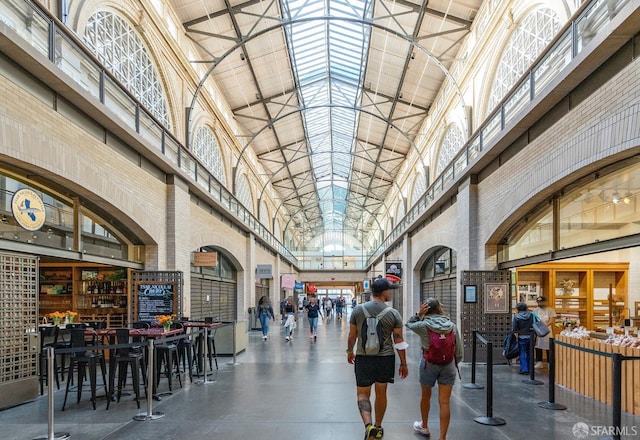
x: 103, y: 295
x: 96, y: 292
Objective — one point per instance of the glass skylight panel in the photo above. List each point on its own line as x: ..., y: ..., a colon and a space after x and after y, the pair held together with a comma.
x: 334, y: 50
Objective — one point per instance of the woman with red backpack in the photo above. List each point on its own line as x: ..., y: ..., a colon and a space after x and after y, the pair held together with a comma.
x: 441, y: 352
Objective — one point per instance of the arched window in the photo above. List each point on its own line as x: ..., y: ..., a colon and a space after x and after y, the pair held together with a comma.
x: 400, y: 212
x: 526, y: 42
x: 451, y: 144
x: 121, y: 50
x: 243, y: 193
x: 205, y: 148
x: 264, y: 215
x: 419, y: 187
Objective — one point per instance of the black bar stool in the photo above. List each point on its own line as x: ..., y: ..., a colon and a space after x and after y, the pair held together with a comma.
x: 168, y: 353
x: 121, y: 360
x: 50, y: 334
x: 81, y: 361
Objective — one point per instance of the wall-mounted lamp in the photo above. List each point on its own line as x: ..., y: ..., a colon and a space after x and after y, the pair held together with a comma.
x: 627, y: 198
x: 413, y: 55
x: 242, y: 56
x: 615, y: 198
x: 4, y: 219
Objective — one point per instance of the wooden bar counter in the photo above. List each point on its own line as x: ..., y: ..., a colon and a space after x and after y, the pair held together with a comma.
x: 592, y: 374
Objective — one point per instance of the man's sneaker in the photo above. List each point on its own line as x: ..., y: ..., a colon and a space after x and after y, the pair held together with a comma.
x: 417, y: 426
x: 371, y: 432
x: 380, y: 433
x: 286, y: 338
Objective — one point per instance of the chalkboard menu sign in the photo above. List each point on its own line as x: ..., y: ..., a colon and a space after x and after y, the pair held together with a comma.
x: 154, y: 299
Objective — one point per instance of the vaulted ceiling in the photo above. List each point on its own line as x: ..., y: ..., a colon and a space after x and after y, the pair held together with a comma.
x: 332, y: 94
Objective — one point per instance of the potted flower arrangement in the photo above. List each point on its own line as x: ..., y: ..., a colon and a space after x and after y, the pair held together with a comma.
x: 57, y: 317
x: 70, y: 316
x: 165, y: 321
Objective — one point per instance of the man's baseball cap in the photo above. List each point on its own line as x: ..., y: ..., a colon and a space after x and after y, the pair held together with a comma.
x: 382, y: 284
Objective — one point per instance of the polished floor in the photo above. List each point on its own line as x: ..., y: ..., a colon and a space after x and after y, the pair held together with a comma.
x: 305, y: 390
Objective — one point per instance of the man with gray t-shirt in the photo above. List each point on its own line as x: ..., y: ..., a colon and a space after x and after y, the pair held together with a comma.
x: 376, y: 368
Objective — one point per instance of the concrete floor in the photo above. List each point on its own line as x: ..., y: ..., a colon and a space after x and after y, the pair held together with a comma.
x: 305, y: 390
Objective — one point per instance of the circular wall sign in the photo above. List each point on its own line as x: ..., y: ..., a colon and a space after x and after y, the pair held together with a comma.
x: 28, y: 209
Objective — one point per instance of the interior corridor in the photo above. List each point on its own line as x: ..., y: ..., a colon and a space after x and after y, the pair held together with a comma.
x: 306, y: 390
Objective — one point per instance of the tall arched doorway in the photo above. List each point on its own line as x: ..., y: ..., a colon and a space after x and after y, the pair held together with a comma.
x: 438, y: 279
x: 214, y: 289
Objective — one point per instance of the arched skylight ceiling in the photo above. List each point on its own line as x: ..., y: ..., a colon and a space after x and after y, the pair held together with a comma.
x: 332, y: 95
x: 328, y: 64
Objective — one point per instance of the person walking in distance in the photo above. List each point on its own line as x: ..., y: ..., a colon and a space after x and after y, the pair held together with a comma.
x: 313, y: 310
x: 290, y: 313
x: 377, y: 328
x: 441, y: 353
x: 265, y: 313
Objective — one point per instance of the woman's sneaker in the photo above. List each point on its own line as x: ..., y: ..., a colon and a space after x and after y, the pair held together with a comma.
x: 417, y: 426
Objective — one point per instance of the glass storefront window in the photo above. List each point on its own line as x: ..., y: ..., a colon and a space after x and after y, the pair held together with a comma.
x: 98, y: 238
x: 605, y: 209
x: 534, y: 238
x: 442, y: 262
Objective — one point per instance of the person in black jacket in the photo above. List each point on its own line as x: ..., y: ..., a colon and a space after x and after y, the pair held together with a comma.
x: 523, y: 326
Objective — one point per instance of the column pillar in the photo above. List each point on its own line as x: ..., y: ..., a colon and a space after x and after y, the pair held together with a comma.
x: 178, y: 251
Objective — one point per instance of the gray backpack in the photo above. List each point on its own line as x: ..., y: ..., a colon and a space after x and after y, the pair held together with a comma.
x: 371, y: 332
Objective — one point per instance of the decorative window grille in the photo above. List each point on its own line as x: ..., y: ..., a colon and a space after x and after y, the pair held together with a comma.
x: 18, y: 317
x: 526, y: 42
x: 451, y: 144
x: 243, y: 192
x: 121, y: 50
x: 419, y: 187
x: 205, y: 147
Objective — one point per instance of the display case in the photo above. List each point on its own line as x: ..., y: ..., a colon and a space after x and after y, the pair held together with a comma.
x: 580, y: 293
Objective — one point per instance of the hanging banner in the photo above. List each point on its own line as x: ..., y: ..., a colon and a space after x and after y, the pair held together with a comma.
x: 366, y: 285
x: 288, y: 281
x: 299, y: 286
x: 394, y: 272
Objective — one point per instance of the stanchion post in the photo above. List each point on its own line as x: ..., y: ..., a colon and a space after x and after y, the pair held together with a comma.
x: 617, y: 396
x: 473, y: 385
x: 532, y: 371
x: 150, y: 415
x: 489, y: 380
x: 551, y: 404
x: 489, y: 419
x: 51, y: 355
